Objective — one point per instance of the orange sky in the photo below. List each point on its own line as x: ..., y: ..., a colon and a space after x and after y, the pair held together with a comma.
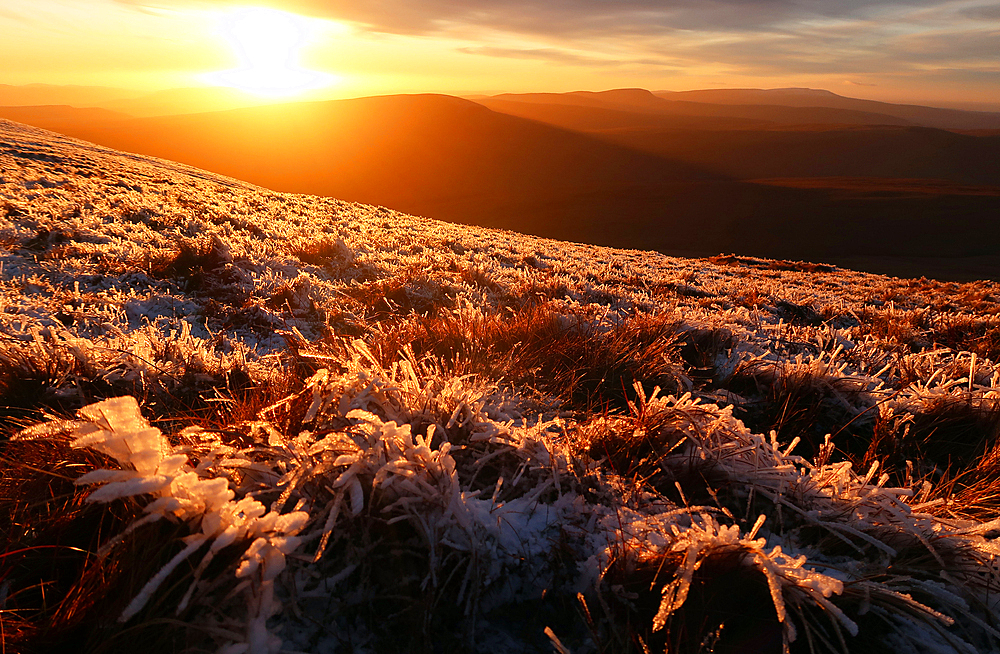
x: 929, y: 51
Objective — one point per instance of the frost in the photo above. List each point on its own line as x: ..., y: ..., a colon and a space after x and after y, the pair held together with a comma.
x: 429, y: 477
x: 120, y: 431
x: 117, y: 428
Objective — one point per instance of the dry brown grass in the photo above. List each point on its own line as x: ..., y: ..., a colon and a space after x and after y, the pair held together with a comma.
x: 952, y: 440
x: 977, y: 334
x: 62, y: 594
x: 796, y: 402
x: 904, y: 330
x: 202, y: 268
x: 476, y: 276
x: 700, y: 350
x: 970, y: 495
x: 956, y: 432
x: 635, y: 447
x: 190, y: 261
x: 45, y: 239
x: 572, y: 360
x: 413, y: 291
x: 979, y: 297
x: 27, y: 386
x: 327, y: 252
x: 923, y: 329
x: 180, y: 387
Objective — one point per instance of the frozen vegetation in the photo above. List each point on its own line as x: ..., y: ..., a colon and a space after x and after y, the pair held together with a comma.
x: 244, y: 421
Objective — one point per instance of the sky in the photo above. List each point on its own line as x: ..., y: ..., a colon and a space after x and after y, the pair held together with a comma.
x: 941, y: 51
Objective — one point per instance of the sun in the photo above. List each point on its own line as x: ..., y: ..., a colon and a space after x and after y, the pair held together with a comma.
x: 267, y: 43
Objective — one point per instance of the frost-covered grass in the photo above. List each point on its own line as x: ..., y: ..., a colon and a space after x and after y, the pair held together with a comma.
x: 243, y: 421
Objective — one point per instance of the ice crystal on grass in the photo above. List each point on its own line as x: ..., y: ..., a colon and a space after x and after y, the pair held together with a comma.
x: 150, y: 466
x: 116, y: 428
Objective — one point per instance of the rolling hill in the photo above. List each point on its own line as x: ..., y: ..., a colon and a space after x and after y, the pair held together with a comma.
x: 613, y: 169
x: 53, y: 94
x: 926, y: 116
x: 750, y: 141
x: 682, y: 113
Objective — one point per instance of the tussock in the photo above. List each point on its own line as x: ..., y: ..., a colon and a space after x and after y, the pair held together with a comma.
x: 804, y: 400
x: 578, y: 363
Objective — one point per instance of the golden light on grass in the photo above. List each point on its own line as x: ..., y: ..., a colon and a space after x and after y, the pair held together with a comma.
x: 268, y: 43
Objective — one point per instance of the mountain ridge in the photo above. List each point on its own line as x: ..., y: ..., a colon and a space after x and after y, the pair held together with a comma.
x: 929, y: 116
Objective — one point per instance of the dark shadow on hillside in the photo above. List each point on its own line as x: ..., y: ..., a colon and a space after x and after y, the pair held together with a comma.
x: 798, y: 97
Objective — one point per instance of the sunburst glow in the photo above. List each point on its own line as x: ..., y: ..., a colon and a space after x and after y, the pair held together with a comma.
x: 268, y: 43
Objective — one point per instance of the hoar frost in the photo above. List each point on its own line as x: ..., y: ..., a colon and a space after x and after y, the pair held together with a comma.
x: 494, y: 487
x: 117, y: 428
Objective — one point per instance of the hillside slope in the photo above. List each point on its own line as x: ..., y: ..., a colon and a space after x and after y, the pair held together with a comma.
x: 262, y: 422
x: 681, y: 191
x: 402, y: 149
x: 751, y: 141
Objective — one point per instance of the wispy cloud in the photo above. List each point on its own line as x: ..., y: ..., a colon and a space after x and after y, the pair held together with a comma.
x: 985, y: 12
x: 570, y: 18
x: 545, y: 54
x: 846, y: 39
x: 954, y: 46
x: 558, y: 55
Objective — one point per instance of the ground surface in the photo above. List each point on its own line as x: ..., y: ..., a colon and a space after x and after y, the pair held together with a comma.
x: 375, y: 432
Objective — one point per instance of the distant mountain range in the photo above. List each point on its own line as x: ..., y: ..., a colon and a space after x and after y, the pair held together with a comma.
x: 810, y: 174
x: 130, y: 101
x: 79, y: 96
x: 920, y: 115
x: 654, y: 111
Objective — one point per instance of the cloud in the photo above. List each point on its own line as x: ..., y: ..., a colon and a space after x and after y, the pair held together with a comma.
x: 851, y: 82
x: 546, y: 54
x: 939, y: 47
x: 557, y: 55
x: 10, y: 14
x: 989, y: 12
x: 570, y: 18
x: 759, y: 38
